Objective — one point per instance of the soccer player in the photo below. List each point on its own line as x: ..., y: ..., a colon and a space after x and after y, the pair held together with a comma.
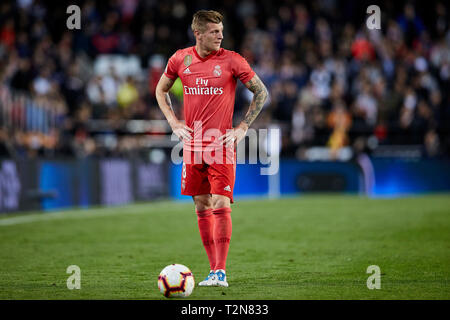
x: 209, y: 76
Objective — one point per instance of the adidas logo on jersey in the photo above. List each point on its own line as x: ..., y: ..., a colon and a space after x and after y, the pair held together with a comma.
x: 187, y: 71
x: 227, y: 188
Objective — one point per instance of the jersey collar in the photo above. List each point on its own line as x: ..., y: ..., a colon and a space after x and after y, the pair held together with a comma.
x: 212, y: 54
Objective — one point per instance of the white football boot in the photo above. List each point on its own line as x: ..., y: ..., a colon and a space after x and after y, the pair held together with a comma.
x: 221, y: 278
x: 209, y: 281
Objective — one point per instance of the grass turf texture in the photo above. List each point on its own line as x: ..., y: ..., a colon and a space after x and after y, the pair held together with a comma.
x: 310, y: 247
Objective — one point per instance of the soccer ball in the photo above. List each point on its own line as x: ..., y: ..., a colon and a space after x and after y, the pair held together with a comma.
x: 176, y: 280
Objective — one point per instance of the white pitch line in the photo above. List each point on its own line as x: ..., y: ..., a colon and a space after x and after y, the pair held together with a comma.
x: 79, y: 214
x: 47, y: 216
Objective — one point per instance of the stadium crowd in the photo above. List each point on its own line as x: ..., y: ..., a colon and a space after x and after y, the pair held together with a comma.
x: 332, y: 81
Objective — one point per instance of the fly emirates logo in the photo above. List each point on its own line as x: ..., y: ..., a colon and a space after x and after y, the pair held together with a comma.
x: 201, y: 88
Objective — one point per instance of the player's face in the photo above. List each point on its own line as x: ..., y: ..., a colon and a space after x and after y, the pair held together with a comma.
x: 212, y: 38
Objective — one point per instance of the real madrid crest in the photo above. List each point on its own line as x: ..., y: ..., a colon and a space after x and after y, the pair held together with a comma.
x: 187, y: 60
x: 217, y: 71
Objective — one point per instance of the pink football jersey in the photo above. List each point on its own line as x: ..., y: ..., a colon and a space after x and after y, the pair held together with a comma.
x: 209, y: 87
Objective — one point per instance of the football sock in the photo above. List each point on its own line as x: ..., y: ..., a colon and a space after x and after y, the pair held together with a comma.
x: 222, y: 235
x: 205, y: 220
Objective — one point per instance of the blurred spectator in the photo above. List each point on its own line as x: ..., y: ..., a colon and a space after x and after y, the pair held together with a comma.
x: 332, y: 82
x: 23, y: 76
x: 366, y: 106
x: 8, y: 34
x: 410, y: 23
x: 339, y: 120
x: 107, y: 39
x: 127, y: 93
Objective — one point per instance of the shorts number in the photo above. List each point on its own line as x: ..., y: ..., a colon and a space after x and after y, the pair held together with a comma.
x: 184, y: 170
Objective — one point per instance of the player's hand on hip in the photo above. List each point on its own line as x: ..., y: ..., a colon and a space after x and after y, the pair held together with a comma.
x: 181, y: 130
x: 235, y: 135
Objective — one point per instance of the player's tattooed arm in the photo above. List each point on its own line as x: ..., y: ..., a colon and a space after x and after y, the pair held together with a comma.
x: 166, y: 89
x: 167, y: 85
x: 260, y: 95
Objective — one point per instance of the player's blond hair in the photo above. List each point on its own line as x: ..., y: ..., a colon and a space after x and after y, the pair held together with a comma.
x: 202, y: 17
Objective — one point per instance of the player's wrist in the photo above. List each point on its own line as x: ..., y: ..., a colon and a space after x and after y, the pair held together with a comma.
x: 172, y: 122
x: 244, y: 125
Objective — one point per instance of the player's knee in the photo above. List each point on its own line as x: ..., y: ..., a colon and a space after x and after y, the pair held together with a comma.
x: 202, y: 206
x: 222, y: 202
x: 202, y: 203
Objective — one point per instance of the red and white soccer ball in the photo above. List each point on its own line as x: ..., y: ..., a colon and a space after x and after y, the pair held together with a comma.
x: 176, y: 280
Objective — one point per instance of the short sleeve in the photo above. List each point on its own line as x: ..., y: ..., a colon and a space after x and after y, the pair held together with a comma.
x: 171, y: 70
x: 240, y: 68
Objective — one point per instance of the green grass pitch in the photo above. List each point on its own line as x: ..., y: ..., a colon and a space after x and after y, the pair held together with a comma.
x: 308, y: 247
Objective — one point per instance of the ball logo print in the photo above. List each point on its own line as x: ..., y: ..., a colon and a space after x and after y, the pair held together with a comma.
x: 176, y: 280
